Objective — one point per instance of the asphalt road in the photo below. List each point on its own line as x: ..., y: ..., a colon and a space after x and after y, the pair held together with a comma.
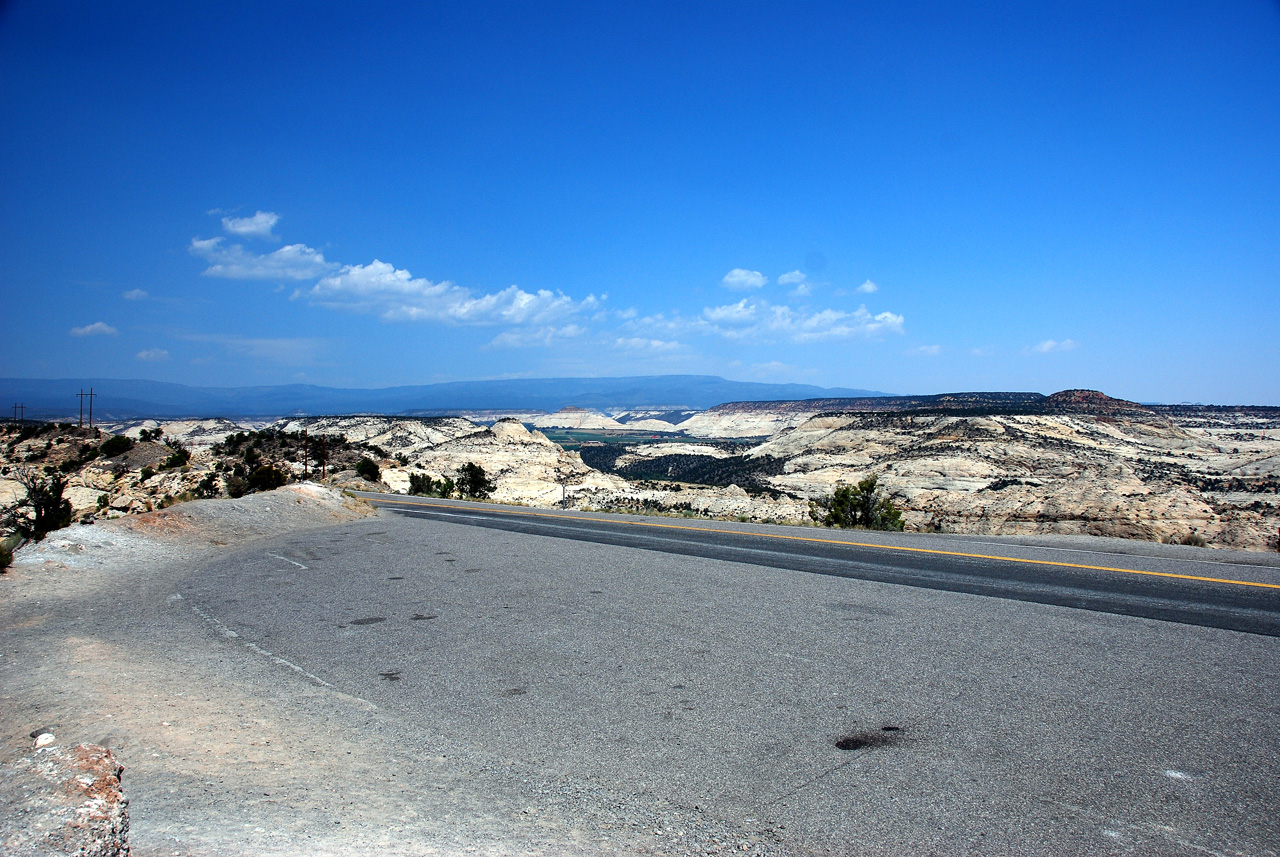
x: 863, y: 694
x: 1176, y: 587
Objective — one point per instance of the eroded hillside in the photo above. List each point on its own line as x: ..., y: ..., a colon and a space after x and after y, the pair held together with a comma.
x: 1084, y: 465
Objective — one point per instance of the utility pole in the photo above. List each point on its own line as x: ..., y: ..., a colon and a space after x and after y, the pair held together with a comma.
x: 91, y: 395
x: 81, y: 396
x: 19, y: 409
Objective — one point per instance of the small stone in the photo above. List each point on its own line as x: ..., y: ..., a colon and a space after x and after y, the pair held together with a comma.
x: 45, y: 739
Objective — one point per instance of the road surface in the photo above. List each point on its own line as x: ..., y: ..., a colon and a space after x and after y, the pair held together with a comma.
x: 816, y: 691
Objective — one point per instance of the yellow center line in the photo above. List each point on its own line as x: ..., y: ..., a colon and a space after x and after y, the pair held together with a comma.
x: 490, y: 510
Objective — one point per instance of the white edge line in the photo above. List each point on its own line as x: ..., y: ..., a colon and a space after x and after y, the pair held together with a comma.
x: 256, y: 649
x: 285, y: 558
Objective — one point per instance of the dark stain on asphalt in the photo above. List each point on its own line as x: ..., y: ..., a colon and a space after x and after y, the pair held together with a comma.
x: 885, y: 736
x: 395, y: 578
x: 418, y: 616
x: 515, y: 691
x: 597, y: 592
x: 372, y: 620
x: 470, y: 570
x: 391, y: 675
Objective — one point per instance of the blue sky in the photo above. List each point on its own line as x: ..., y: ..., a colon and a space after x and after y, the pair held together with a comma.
x: 906, y: 197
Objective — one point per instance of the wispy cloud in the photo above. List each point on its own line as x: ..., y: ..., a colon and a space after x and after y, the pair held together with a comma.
x: 153, y: 355
x: 257, y: 226
x: 868, y: 288
x: 398, y: 296
x: 98, y: 328
x: 741, y: 279
x: 742, y: 311
x: 234, y: 262
x: 927, y: 350
x: 292, y: 351
x: 134, y: 295
x: 640, y: 343
x: 542, y: 336
x: 800, y: 280
x: 753, y: 320
x: 1050, y: 345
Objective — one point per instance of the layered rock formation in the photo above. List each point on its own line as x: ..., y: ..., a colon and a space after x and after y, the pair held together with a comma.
x: 1084, y: 464
x: 576, y: 418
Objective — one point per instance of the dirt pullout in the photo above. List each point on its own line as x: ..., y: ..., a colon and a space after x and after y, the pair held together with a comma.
x: 229, y: 750
x: 183, y: 532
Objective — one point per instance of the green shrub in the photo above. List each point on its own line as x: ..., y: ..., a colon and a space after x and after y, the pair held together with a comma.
x: 267, y: 478
x: 367, y: 469
x: 237, y: 486
x: 422, y: 485
x: 178, y: 457
x: 117, y: 444
x: 44, y: 497
x: 208, y: 486
x: 857, y: 506
x: 146, y: 473
x: 474, y: 482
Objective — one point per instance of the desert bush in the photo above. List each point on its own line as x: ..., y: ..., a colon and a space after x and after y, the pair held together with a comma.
x: 180, y: 455
x: 208, y: 486
x: 1194, y: 540
x: 857, y: 506
x: 474, y: 482
x: 117, y: 444
x: 367, y: 469
x: 43, y: 510
x: 146, y: 473
x: 267, y: 478
x: 236, y: 485
x: 422, y: 485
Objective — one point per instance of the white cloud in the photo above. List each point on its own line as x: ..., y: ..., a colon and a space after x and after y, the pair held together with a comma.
x: 741, y: 279
x: 928, y: 350
x: 760, y: 321
x: 741, y: 311
x: 397, y: 295
x: 153, y: 354
x: 232, y: 261
x: 639, y: 343
x: 868, y: 288
x: 1050, y: 345
x: 525, y: 338
x: 98, y: 328
x: 134, y: 295
x: 257, y: 226
x: 800, y: 280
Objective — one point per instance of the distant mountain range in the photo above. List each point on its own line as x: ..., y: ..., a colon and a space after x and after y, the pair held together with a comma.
x: 119, y: 399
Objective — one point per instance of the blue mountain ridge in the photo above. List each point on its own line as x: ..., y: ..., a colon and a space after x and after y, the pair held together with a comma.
x: 119, y: 399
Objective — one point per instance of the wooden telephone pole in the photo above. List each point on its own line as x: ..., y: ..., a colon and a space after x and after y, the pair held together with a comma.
x: 82, y: 395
